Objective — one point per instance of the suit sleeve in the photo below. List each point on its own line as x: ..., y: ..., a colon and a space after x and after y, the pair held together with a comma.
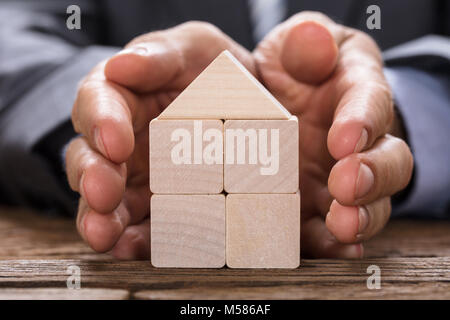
x: 418, y: 73
x: 41, y: 64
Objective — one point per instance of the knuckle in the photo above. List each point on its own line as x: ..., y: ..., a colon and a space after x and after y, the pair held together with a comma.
x: 405, y: 162
x: 353, y: 73
x: 383, y: 100
x: 88, y: 87
x: 409, y: 160
x: 386, y: 206
x: 71, y: 153
x: 368, y: 44
x: 205, y: 28
x: 70, y: 149
x: 87, y: 90
x: 83, y: 210
x: 79, y: 158
x: 207, y: 32
x: 384, y: 90
x: 84, y: 89
x: 73, y: 165
x: 143, y: 38
x: 402, y: 145
x: 377, y: 94
x: 74, y: 118
x: 363, y: 36
x: 379, y: 211
x: 378, y: 207
x: 99, y: 102
x: 88, y: 161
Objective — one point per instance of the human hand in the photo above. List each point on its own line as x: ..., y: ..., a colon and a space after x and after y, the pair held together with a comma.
x: 331, y: 77
x: 108, y: 163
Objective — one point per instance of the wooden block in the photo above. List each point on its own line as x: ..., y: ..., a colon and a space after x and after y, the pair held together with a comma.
x: 263, y: 230
x: 225, y: 90
x: 188, y: 231
x: 261, y: 156
x: 186, y: 156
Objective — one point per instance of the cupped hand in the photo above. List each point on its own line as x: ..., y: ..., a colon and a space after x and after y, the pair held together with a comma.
x: 108, y: 163
x: 331, y: 77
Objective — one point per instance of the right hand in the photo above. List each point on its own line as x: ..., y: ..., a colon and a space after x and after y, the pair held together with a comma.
x: 108, y: 163
x: 331, y: 77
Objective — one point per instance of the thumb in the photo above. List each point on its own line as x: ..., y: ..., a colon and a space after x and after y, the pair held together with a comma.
x: 309, y: 52
x: 172, y: 58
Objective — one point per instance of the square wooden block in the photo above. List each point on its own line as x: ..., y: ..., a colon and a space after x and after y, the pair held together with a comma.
x: 186, y: 156
x: 263, y: 230
x: 187, y: 231
x: 261, y: 156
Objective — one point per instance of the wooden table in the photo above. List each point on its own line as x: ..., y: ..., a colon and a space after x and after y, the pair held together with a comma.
x: 36, y: 251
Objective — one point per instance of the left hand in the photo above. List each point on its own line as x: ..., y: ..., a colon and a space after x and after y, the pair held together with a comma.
x: 108, y: 163
x: 331, y: 77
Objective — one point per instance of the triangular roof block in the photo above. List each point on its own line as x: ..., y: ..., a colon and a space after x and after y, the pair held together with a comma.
x: 225, y: 90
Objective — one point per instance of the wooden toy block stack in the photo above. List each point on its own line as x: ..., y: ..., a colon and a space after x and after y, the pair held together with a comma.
x: 224, y: 175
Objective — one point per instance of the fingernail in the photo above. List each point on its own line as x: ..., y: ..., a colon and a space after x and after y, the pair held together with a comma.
x: 99, y: 141
x: 362, y: 141
x: 360, y: 251
x: 329, y: 215
x: 83, y: 226
x: 139, y: 50
x: 363, y: 217
x: 81, y: 187
x: 123, y: 170
x: 354, y: 251
x: 364, y: 181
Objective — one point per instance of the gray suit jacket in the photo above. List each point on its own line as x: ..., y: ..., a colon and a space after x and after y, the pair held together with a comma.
x: 41, y: 62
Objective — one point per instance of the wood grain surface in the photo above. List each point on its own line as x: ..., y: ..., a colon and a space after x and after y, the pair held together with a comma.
x: 280, y: 154
x: 188, y: 231
x: 263, y: 230
x: 413, y: 255
x: 170, y: 178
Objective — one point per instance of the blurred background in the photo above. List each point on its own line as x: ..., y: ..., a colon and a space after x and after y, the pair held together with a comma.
x: 44, y: 54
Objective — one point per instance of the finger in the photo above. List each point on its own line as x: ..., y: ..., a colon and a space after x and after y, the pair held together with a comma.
x: 318, y: 242
x: 309, y: 52
x: 381, y: 171
x: 134, y: 244
x: 100, y: 182
x: 82, y: 211
x: 103, y: 112
x: 145, y: 66
x: 364, y: 113
x: 101, y: 231
x: 171, y: 58
x: 305, y: 46
x: 364, y: 107
x: 355, y: 224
